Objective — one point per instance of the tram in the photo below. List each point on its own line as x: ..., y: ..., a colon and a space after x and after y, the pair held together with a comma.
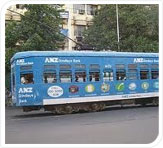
x: 66, y: 82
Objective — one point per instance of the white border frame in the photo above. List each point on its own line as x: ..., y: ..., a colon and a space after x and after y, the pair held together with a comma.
x: 5, y: 5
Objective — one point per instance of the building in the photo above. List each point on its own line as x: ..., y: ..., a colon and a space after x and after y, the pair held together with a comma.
x: 76, y: 18
x: 79, y: 18
x: 13, y: 16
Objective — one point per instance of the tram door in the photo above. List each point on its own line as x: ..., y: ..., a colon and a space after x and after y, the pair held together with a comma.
x: 13, y: 85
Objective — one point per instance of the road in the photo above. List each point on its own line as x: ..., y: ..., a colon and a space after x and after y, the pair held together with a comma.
x: 129, y: 125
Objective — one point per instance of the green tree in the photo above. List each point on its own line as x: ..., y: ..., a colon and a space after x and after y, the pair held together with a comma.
x: 11, y: 40
x: 138, y: 28
x: 39, y: 29
x: 11, y: 37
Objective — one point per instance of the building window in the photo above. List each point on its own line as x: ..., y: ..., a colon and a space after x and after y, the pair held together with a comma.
x: 80, y: 76
x: 49, y: 77
x: 65, y: 76
x: 26, y: 78
x: 91, y: 9
x: 144, y: 74
x: 19, y: 6
x: 79, y: 8
x: 154, y: 74
x: 79, y: 29
x: 108, y: 75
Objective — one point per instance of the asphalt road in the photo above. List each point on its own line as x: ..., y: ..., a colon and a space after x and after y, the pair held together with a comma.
x: 131, y: 125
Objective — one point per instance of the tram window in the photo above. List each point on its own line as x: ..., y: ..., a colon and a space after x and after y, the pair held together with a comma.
x: 49, y: 77
x: 154, y: 74
x: 120, y: 66
x: 94, y: 76
x: 120, y: 74
x: 132, y: 66
x: 80, y: 66
x: 65, y: 77
x: 94, y: 66
x: 49, y: 66
x: 65, y: 66
x: 132, y: 74
x: 108, y: 75
x: 26, y: 67
x: 143, y: 66
x: 154, y: 66
x: 144, y: 74
x: 26, y: 78
x: 80, y: 76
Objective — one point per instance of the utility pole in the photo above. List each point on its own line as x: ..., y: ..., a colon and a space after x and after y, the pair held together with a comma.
x: 117, y: 26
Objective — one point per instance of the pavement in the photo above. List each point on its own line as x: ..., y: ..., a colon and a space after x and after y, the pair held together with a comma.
x: 128, y: 125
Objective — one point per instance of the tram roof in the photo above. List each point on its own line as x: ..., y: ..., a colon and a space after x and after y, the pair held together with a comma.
x: 80, y: 54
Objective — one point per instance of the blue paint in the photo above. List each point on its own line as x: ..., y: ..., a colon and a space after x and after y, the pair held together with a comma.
x: 33, y: 94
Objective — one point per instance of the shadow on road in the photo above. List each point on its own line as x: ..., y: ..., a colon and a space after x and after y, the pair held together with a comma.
x: 45, y: 114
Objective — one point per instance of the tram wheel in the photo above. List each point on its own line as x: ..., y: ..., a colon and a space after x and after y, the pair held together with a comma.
x: 86, y: 108
x: 60, y: 110
x: 155, y: 101
x: 95, y: 107
x: 76, y: 109
x: 143, y: 104
x: 54, y: 111
x: 68, y: 109
x: 102, y: 106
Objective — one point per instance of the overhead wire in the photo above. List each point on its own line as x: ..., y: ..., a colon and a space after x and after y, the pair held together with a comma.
x: 80, y: 45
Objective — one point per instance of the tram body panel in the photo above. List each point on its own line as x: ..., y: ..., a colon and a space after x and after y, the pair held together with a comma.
x: 66, y: 88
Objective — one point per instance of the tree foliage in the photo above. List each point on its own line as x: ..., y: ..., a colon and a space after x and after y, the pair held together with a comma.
x: 138, y: 28
x: 39, y: 29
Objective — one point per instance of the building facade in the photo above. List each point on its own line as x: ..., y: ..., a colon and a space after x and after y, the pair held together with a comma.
x: 13, y: 16
x: 76, y: 18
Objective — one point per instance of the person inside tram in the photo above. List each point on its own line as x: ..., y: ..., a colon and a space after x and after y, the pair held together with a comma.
x: 45, y: 79
x: 23, y: 80
x: 77, y: 78
x: 26, y: 79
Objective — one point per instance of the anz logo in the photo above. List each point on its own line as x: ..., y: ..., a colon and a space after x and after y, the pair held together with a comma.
x: 138, y: 60
x: 51, y: 60
x: 25, y: 90
x: 19, y: 61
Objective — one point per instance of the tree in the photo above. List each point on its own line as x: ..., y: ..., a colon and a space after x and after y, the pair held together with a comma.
x: 138, y: 28
x: 11, y: 37
x: 39, y: 29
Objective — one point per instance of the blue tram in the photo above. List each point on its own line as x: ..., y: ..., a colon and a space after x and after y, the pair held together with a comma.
x: 63, y: 81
